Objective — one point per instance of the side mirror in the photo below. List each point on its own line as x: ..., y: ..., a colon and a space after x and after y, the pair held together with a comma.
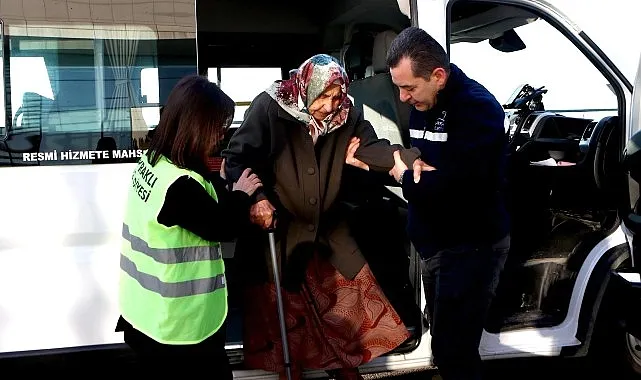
x: 508, y: 42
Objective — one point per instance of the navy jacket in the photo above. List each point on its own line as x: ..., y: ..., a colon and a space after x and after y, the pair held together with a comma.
x: 463, y: 201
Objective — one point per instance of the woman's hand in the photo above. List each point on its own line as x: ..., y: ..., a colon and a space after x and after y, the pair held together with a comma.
x: 262, y: 213
x: 248, y: 182
x: 399, y: 167
x: 354, y: 143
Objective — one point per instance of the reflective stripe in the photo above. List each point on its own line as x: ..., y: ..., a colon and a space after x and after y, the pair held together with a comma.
x: 428, y: 135
x: 171, y: 289
x: 171, y: 255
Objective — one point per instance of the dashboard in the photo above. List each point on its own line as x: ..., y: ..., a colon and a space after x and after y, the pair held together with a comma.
x: 550, y: 139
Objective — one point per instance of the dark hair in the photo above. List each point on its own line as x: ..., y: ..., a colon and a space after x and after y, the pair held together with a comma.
x: 192, y: 123
x: 425, y: 53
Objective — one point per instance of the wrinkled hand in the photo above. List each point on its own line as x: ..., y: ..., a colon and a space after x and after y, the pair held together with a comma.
x: 417, y: 167
x: 399, y: 167
x: 354, y: 143
x: 248, y: 182
x: 261, y: 213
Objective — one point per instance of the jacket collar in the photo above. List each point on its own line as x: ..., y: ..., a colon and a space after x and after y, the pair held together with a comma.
x: 453, y: 84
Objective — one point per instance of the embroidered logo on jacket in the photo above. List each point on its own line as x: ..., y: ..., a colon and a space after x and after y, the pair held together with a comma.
x: 436, y: 132
x: 439, y: 124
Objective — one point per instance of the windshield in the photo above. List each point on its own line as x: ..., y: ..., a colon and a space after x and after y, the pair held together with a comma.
x: 611, y: 25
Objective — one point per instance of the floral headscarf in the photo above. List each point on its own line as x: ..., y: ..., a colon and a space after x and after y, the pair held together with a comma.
x: 314, y: 76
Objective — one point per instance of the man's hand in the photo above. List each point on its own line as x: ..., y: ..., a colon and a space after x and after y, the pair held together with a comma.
x: 262, y: 213
x: 354, y: 143
x: 417, y: 167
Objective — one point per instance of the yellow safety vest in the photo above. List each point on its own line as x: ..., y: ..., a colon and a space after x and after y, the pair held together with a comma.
x: 172, y: 282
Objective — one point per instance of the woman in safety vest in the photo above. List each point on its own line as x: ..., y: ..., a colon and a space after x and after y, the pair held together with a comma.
x: 173, y: 291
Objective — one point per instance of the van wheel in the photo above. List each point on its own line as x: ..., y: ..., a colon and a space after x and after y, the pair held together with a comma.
x: 613, y: 353
x: 633, y: 353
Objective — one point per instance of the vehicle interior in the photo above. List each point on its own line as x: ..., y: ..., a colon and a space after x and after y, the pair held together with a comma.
x: 282, y: 34
x: 561, y: 171
x: 560, y: 166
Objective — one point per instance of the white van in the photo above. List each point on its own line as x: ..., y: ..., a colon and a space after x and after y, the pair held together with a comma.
x: 82, y: 87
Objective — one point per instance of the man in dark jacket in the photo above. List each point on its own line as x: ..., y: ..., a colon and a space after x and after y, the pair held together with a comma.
x: 457, y: 215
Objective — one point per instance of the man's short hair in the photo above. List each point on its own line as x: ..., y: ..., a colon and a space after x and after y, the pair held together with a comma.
x: 425, y: 53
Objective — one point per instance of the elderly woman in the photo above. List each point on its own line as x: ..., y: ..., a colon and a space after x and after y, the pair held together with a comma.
x: 297, y: 137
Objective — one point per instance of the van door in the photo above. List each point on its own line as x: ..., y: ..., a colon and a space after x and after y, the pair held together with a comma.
x: 630, y: 279
x: 632, y: 166
x: 560, y: 253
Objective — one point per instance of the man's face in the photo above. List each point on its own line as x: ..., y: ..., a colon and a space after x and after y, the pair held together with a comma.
x: 326, y: 103
x: 417, y: 91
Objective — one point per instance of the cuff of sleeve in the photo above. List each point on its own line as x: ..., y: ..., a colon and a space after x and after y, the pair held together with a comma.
x: 410, y: 155
x: 259, y: 195
x: 408, y: 175
x: 406, y: 181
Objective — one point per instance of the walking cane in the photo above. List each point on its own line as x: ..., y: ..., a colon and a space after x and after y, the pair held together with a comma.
x: 279, y: 298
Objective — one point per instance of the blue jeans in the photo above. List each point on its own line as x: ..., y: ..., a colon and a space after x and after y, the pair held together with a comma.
x: 460, y: 284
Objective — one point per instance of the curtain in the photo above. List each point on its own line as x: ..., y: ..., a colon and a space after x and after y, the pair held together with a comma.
x: 121, y: 51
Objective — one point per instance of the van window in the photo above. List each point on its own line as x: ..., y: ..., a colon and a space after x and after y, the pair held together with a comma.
x: 281, y: 35
x: 581, y: 91
x: 243, y: 84
x: 90, y: 90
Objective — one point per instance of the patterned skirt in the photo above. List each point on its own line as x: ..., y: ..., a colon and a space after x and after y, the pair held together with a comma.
x: 332, y: 322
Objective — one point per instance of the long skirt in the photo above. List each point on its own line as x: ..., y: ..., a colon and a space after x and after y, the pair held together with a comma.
x: 332, y: 322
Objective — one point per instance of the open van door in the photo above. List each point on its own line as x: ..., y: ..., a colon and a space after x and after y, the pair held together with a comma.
x: 628, y: 281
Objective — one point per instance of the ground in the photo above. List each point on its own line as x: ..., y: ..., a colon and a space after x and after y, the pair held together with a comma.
x: 521, y: 369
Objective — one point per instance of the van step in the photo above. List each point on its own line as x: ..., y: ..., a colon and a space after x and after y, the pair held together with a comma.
x: 534, y: 318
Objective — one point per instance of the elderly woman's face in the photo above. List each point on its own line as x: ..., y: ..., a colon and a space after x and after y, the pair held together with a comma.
x: 326, y: 103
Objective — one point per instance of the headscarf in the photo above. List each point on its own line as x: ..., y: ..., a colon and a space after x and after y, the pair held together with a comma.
x: 314, y: 76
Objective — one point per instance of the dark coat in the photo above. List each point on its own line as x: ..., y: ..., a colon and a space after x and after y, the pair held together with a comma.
x: 471, y: 153
x: 302, y: 181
